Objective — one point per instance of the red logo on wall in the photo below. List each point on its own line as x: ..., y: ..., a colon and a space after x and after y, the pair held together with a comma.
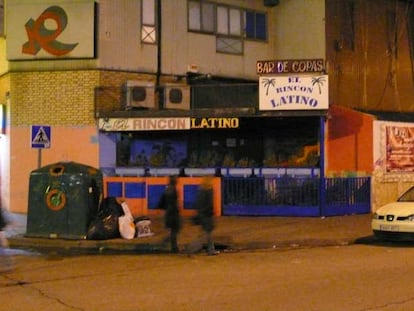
x: 42, y: 38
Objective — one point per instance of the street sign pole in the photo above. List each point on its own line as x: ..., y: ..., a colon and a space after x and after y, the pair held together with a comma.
x: 40, y: 139
x: 39, y: 158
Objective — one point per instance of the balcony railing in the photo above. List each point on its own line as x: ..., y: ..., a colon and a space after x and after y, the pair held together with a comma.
x: 295, y: 196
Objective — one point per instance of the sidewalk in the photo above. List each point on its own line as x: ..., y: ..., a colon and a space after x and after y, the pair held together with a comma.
x: 231, y: 234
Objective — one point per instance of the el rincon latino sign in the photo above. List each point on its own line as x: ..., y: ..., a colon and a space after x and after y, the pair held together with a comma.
x: 299, y: 84
x: 162, y: 124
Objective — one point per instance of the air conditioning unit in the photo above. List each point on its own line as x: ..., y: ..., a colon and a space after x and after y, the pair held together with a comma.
x: 176, y: 96
x: 139, y: 94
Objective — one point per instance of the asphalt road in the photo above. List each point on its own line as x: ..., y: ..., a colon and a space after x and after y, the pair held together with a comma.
x: 356, y: 277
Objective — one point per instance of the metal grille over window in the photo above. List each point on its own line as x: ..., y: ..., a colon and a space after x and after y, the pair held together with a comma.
x: 148, y: 34
x: 148, y: 22
x: 229, y: 45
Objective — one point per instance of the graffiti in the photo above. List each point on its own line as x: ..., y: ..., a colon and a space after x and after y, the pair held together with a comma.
x: 40, y: 37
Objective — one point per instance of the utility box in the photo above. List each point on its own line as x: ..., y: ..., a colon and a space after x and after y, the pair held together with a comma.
x: 63, y: 199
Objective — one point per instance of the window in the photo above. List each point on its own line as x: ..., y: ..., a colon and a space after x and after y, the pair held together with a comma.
x: 392, y: 33
x: 410, y: 22
x: 229, y: 30
x: 231, y: 25
x: 2, y: 32
x: 347, y: 25
x: 148, y: 22
x: 229, y: 21
x: 2, y: 18
x: 201, y: 16
x: 257, y: 142
x: 255, y: 25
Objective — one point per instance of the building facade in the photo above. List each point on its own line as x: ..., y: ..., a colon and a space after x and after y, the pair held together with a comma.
x: 175, y: 83
x: 369, y: 51
x: 155, y: 41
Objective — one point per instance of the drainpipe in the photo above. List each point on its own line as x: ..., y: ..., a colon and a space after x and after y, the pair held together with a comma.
x: 159, y: 26
x: 158, y: 89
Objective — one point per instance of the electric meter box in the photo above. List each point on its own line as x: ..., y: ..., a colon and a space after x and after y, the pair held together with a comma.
x: 63, y: 199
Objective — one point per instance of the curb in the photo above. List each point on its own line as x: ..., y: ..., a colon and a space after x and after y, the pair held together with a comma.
x: 142, y: 247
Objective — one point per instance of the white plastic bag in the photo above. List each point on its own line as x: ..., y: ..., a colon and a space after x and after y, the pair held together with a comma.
x: 126, y: 223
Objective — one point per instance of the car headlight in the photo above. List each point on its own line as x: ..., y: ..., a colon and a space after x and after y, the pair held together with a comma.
x: 376, y: 216
x: 410, y: 217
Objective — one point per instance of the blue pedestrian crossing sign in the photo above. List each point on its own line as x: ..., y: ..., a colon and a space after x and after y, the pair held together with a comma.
x: 40, y: 136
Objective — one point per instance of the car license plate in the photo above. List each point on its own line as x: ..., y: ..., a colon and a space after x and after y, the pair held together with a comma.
x: 389, y: 227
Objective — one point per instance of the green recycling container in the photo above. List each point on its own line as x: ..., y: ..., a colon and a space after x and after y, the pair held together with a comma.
x: 63, y: 199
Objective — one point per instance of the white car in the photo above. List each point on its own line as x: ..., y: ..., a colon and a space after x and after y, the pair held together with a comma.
x: 395, y: 221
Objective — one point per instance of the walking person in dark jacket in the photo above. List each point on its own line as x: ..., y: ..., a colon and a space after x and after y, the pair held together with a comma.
x: 6, y: 264
x: 205, y: 213
x: 172, y: 219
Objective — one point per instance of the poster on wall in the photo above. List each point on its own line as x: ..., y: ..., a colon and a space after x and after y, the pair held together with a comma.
x: 47, y: 30
x: 293, y: 92
x: 399, y: 149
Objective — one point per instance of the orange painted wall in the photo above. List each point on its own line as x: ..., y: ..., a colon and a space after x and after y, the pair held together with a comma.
x: 77, y: 144
x: 139, y: 207
x: 349, y: 145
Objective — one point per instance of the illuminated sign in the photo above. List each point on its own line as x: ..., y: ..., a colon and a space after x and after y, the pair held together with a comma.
x: 215, y: 123
x: 144, y: 124
x: 162, y: 124
x: 289, y: 66
x: 293, y: 92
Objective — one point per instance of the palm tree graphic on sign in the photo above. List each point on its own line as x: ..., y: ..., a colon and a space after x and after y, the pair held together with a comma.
x: 318, y: 81
x: 267, y: 83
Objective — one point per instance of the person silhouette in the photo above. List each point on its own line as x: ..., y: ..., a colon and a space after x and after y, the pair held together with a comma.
x: 172, y: 219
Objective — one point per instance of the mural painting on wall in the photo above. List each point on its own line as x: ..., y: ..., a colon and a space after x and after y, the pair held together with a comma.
x: 400, y: 148
x: 158, y: 153
x: 72, y: 34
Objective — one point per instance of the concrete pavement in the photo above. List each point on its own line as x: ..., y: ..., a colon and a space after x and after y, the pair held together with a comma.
x: 231, y: 234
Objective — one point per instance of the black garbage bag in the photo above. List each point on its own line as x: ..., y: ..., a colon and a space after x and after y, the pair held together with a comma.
x: 110, y: 206
x: 105, y: 225
x: 104, y: 229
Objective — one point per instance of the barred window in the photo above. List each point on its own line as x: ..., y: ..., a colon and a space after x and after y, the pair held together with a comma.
x: 148, y: 22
